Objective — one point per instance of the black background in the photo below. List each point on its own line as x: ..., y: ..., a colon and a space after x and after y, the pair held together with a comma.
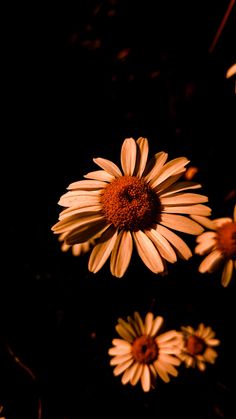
x: 79, y: 79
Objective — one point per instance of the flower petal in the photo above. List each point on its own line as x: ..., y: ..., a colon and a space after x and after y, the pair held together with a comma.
x: 187, y: 209
x: 219, y: 222
x: 157, y: 323
x: 137, y: 374
x: 94, y: 226
x: 121, y: 254
x: 128, y: 156
x: 100, y: 175
x: 162, y: 245
x: 102, y: 250
x: 180, y: 246
x: 227, y: 272
x: 108, y: 166
x: 211, y: 262
x: 180, y: 186
x: 129, y: 373
x: 148, y: 252
x: 87, y: 185
x: 148, y: 323
x: 122, y: 367
x: 173, y: 167
x: 119, y: 359
x: 181, y: 223
x: 154, y: 166
x: 146, y: 378
x: 142, y: 155
x: 183, y: 199
x: 160, y: 371
x: 205, y: 222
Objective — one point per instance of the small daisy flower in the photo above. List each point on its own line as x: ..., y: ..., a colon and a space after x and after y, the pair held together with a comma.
x: 219, y: 245
x: 137, y: 207
x: 143, y: 354
x: 198, y: 346
x: 77, y: 249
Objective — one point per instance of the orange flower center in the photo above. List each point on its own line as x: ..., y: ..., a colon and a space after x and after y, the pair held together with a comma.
x: 195, y: 345
x: 226, y: 240
x: 130, y: 204
x: 145, y: 349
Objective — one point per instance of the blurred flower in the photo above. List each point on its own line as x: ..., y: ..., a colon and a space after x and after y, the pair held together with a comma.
x: 219, y: 245
x: 138, y: 206
x: 77, y: 249
x: 198, y: 346
x: 231, y: 71
x: 141, y: 354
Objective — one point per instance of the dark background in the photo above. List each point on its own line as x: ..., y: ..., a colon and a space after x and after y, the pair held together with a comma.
x: 80, y: 78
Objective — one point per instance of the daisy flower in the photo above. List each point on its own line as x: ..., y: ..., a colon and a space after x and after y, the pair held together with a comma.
x: 139, y: 206
x: 77, y: 249
x: 198, y: 346
x: 142, y: 354
x: 219, y: 245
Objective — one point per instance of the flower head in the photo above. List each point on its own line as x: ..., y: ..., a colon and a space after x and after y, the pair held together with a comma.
x: 219, y: 245
x: 198, y: 346
x: 140, y: 206
x: 143, y: 354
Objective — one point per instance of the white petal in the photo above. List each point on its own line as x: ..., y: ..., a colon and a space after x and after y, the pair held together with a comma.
x: 93, y: 227
x: 119, y: 359
x: 74, y: 221
x: 207, y: 236
x: 124, y: 333
x: 227, y: 272
x: 100, y: 175
x: 170, y: 359
x: 213, y: 342
x: 128, y: 327
x: 156, y: 325
x: 162, y: 245
x: 118, y: 350
x: 211, y: 262
x: 166, y: 184
x: 205, y: 247
x: 87, y: 185
x: 146, y: 378
x: 148, y: 323
x: 128, y: 156
x: 169, y: 368
x: 154, y: 166
x: 139, y: 322
x: 102, y: 250
x: 121, y: 254
x: 183, y: 199
x: 166, y: 337
x: 122, y: 343
x: 160, y: 371
x: 180, y: 186
x: 180, y: 246
x: 187, y: 209
x: 181, y: 223
x: 205, y: 222
x: 148, y: 252
x: 108, y: 166
x: 129, y: 373
x: 77, y: 198
x: 122, y: 367
x: 210, y: 355
x: 76, y: 211
x: 219, y: 222
x: 142, y: 155
x: 137, y: 374
x: 171, y: 168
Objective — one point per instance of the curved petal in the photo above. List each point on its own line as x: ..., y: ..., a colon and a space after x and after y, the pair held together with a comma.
x: 162, y: 245
x: 199, y: 209
x: 121, y: 254
x: 148, y: 323
x: 219, y: 222
x: 211, y: 262
x: 154, y: 166
x: 181, y: 247
x: 88, y: 230
x: 128, y: 156
x: 158, y: 322
x: 142, y: 155
x: 180, y: 186
x: 74, y: 221
x: 102, y: 250
x: 129, y: 373
x: 146, y: 378
x: 181, y: 223
x: 204, y: 221
x: 122, y: 367
x: 205, y: 247
x: 100, y: 175
x: 87, y: 185
x: 108, y: 166
x: 148, y: 252
x: 173, y: 167
x: 183, y: 199
x: 137, y: 374
x: 227, y: 273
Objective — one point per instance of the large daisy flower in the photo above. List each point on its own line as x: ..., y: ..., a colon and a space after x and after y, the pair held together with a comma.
x: 198, y: 346
x: 140, y: 206
x: 142, y: 354
x: 219, y: 245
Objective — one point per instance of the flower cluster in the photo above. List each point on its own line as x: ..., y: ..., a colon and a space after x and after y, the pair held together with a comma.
x: 144, y: 354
